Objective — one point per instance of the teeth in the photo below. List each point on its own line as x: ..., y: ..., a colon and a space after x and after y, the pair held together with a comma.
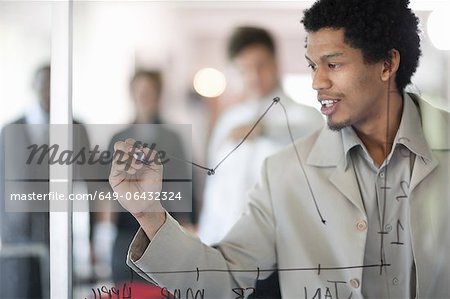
x: 328, y: 103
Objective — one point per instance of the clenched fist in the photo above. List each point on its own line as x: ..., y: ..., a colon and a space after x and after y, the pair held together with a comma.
x: 137, y: 170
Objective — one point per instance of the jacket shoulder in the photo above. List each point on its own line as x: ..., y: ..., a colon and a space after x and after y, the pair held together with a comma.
x: 435, y: 123
x: 288, y: 154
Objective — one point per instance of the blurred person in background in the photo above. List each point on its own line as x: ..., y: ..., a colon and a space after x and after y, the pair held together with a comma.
x: 148, y: 127
x: 253, y: 52
x: 24, y: 258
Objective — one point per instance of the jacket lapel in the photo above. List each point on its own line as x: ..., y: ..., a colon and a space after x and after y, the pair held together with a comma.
x: 345, y: 181
x: 422, y: 168
x: 328, y: 151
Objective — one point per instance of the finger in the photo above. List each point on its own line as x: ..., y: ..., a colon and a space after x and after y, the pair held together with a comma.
x: 120, y: 151
x: 120, y: 173
x: 121, y: 146
x: 130, y: 141
x: 124, y: 152
x: 130, y: 159
x: 124, y: 146
x: 130, y: 171
x: 116, y: 177
x: 117, y: 169
x: 119, y: 166
x: 124, y: 161
x: 135, y: 154
x: 134, y: 143
x: 135, y: 150
x: 149, y: 155
x: 127, y: 145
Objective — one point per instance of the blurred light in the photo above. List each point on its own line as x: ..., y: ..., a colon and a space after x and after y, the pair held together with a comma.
x: 437, y: 26
x: 209, y: 82
x: 426, y: 5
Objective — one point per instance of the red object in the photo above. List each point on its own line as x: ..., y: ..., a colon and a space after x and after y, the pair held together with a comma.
x: 127, y: 290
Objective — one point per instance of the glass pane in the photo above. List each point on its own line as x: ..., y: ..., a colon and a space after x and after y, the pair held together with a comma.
x: 25, y: 43
x: 121, y: 50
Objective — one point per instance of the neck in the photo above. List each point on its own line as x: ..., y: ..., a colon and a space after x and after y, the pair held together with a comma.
x: 378, y: 133
x: 262, y: 95
x: 145, y: 119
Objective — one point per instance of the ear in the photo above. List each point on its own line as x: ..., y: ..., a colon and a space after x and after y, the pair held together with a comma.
x: 390, y: 65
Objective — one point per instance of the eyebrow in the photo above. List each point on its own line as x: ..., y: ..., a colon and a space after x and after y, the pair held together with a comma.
x: 332, y: 55
x: 327, y: 56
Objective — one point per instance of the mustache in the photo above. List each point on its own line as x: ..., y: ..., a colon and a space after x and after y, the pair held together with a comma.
x: 328, y: 95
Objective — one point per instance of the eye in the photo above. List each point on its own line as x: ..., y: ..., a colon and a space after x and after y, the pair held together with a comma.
x: 312, y: 67
x: 333, y: 66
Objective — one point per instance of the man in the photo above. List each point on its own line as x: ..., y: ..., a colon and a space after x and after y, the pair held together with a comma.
x: 27, y: 229
x: 24, y: 272
x: 364, y: 214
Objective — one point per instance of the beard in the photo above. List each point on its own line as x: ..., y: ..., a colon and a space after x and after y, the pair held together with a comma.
x: 337, y: 126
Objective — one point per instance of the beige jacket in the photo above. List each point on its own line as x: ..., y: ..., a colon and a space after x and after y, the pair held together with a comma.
x: 282, y: 228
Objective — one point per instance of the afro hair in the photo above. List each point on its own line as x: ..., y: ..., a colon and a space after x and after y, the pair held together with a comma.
x: 373, y: 26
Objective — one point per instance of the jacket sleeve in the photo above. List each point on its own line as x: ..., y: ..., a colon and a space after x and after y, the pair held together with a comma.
x: 175, y: 259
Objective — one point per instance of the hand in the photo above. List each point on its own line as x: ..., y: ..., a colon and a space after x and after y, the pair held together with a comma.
x: 129, y: 175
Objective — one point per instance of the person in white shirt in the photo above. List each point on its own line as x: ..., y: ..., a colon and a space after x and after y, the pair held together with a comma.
x: 253, y: 52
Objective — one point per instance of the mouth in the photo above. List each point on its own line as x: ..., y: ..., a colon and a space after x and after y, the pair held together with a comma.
x: 329, y: 106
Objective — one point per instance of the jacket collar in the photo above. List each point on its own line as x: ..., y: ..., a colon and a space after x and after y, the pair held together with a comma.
x: 328, y: 150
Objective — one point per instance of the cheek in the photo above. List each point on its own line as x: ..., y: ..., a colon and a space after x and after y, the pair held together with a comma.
x: 372, y: 86
x: 370, y: 75
x: 357, y: 83
x: 248, y: 76
x: 267, y: 77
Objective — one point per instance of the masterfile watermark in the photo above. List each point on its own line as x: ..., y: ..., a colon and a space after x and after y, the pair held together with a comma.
x: 84, y: 155
x: 50, y: 196
x: 34, y: 164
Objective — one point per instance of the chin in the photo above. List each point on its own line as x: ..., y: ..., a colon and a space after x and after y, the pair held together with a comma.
x: 337, y: 126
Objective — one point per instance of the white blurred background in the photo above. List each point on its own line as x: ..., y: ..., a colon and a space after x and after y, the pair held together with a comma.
x: 112, y: 38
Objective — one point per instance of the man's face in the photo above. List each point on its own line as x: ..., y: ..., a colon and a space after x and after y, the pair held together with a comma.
x: 42, y: 88
x: 259, y: 71
x: 351, y: 91
x: 146, y: 97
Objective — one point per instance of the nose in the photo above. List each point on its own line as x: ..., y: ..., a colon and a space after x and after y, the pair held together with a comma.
x: 321, y: 80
